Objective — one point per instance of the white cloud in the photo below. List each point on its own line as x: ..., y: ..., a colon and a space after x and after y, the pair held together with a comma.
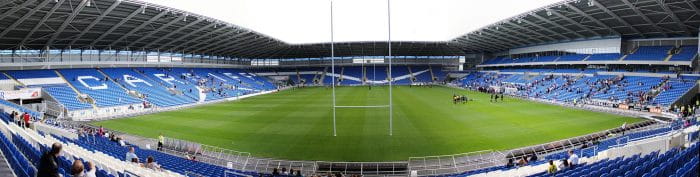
x: 308, y: 21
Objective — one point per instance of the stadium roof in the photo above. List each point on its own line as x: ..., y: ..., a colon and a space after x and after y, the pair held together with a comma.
x: 134, y: 25
x: 572, y: 20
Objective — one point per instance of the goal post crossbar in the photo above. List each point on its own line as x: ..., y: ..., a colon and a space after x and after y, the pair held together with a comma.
x: 368, y: 106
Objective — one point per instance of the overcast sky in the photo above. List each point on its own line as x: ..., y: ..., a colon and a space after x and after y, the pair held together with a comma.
x: 308, y: 21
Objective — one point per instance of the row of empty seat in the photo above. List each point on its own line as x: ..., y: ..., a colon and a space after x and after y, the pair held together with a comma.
x: 643, y: 53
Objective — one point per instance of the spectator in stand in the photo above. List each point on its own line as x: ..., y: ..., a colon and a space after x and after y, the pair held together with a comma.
x: 48, y: 165
x: 121, y: 142
x: 100, y: 131
x: 130, y: 156
x: 26, y: 120
x: 551, y: 169
x: 275, y: 172
x: 78, y: 169
x: 151, y: 164
x: 573, y: 158
x: 564, y: 164
x: 522, y: 162
x: 533, y: 157
x: 510, y: 163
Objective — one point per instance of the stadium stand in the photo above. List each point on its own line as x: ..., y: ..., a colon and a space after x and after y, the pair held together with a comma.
x: 106, y: 93
x: 685, y: 53
x: 572, y: 57
x: 626, y: 60
x: 567, y: 88
x: 67, y: 97
x: 153, y: 91
x: 604, y: 57
x: 651, y: 53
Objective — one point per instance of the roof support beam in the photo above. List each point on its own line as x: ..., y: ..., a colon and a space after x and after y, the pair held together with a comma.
x: 675, y: 18
x: 199, y: 37
x: 67, y: 21
x: 171, y: 22
x: 600, y: 23
x: 261, y: 48
x: 557, y: 25
x: 575, y: 23
x: 692, y: 5
x: 199, y: 29
x: 124, y: 20
x: 486, y: 42
x: 535, y: 32
x: 6, y: 2
x: 618, y: 18
x: 211, y: 40
x: 173, y: 32
x: 21, y: 20
x: 641, y: 14
x: 15, y: 9
x: 512, y: 38
x: 242, y: 43
x: 41, y: 22
x: 503, y: 27
x: 475, y: 44
x: 223, y: 43
x: 94, y: 22
x: 141, y: 26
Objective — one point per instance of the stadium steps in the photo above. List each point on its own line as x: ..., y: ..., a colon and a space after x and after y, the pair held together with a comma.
x: 5, y: 169
x: 323, y: 76
x: 298, y: 76
x: 364, y: 74
x: 161, y: 84
x: 623, y: 57
x: 90, y: 99
x: 411, y: 73
x: 432, y: 76
x: 12, y: 78
x: 556, y: 59
x: 668, y: 58
x: 112, y: 79
x: 663, y: 83
x: 586, y: 58
x: 342, y: 71
x: 121, y: 86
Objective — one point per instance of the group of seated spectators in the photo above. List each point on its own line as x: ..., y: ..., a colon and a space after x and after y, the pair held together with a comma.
x: 565, y: 163
x: 150, y: 161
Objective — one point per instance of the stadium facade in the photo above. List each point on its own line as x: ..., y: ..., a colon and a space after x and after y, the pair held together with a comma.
x: 70, y: 61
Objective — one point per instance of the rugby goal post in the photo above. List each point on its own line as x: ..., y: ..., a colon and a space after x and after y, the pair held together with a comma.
x: 389, y: 77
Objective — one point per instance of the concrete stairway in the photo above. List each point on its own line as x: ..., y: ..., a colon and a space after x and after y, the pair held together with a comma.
x: 5, y: 169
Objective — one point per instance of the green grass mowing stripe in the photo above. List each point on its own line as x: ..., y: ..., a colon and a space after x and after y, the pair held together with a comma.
x: 296, y: 124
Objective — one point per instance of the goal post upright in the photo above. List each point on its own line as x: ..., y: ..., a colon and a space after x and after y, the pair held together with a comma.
x: 389, y: 78
x: 333, y: 70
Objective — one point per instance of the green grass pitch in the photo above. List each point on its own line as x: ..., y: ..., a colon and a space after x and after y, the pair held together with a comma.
x: 297, y: 124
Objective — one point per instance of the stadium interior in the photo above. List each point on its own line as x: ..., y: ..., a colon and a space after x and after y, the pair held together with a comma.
x: 614, y: 82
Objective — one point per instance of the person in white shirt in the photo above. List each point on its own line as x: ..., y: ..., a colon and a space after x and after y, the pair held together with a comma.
x: 573, y: 158
x: 131, y: 155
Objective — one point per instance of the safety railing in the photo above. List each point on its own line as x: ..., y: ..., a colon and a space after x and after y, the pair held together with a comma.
x: 456, y: 163
x: 211, y: 154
